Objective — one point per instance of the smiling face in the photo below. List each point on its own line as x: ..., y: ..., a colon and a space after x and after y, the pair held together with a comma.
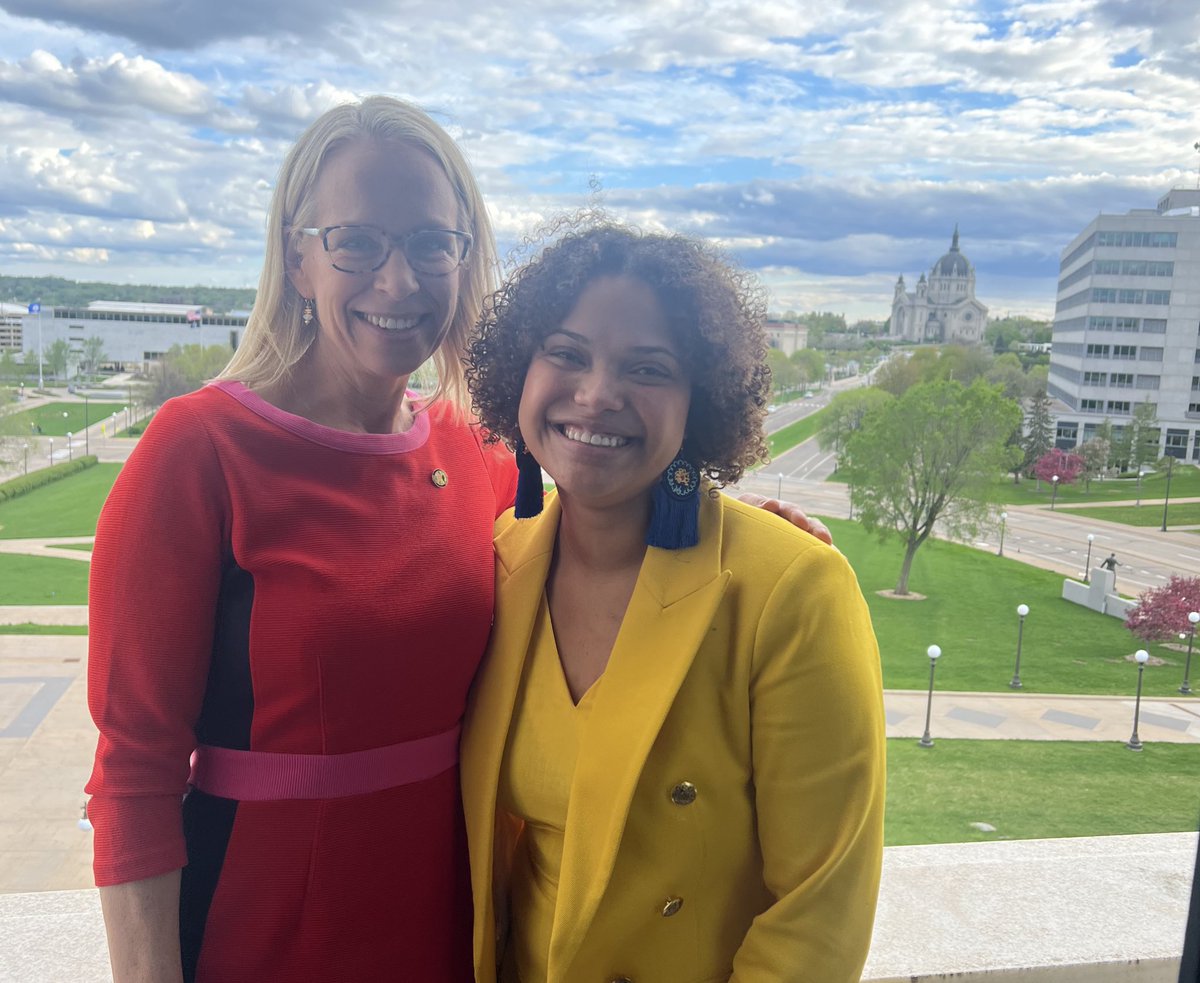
x: 605, y: 400
x: 375, y: 329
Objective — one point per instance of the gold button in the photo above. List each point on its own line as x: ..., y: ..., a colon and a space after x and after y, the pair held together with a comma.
x: 683, y: 794
x: 671, y: 907
x: 439, y: 478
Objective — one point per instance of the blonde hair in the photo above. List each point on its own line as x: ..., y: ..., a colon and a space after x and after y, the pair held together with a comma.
x: 276, y: 337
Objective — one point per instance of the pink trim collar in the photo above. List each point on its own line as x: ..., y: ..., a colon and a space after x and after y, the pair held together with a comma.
x: 355, y: 443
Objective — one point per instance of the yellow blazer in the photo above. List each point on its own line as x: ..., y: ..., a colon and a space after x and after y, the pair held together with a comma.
x: 726, y: 813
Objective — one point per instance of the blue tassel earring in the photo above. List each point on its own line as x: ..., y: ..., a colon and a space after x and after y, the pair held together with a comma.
x: 675, y: 516
x: 529, y: 484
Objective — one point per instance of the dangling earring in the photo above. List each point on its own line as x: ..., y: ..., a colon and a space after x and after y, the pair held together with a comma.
x: 309, y: 315
x: 675, y: 515
x: 529, y: 484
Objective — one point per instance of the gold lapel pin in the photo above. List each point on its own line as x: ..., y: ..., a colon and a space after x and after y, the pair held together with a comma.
x: 439, y: 478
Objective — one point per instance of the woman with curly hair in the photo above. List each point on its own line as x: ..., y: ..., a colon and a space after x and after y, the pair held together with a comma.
x: 673, y: 759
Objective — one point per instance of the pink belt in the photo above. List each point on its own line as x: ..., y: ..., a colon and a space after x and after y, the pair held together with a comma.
x: 263, y: 776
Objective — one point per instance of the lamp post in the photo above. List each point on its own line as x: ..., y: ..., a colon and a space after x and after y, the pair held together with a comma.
x: 1193, y: 617
x: 1167, y: 492
x: 1003, y: 521
x: 51, y: 450
x: 1087, y: 564
x: 1142, y: 657
x: 779, y: 492
x: 1141, y: 475
x: 934, y: 652
x: 27, y: 458
x: 1054, y: 494
x: 70, y: 446
x: 1022, y: 611
x: 87, y: 449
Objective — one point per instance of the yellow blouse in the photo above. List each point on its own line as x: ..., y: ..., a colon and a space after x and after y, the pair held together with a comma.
x: 535, y: 785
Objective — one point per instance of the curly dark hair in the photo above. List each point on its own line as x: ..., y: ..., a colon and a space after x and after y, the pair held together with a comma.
x: 715, y: 314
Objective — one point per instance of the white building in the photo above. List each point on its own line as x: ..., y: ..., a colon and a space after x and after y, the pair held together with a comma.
x: 942, y: 308
x: 1126, y: 324
x: 134, y: 334
x: 788, y: 336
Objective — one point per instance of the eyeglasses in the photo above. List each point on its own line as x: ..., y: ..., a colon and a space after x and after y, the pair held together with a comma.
x: 365, y: 248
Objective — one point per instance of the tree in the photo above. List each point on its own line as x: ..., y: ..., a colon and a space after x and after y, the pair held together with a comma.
x: 93, y: 354
x: 9, y: 368
x: 810, y: 363
x: 1161, y: 613
x: 784, y: 377
x: 846, y: 413
x: 183, y: 369
x: 1095, y: 454
x: 1066, y: 465
x: 930, y: 456
x: 1144, y: 434
x: 58, y: 358
x: 1039, y: 429
x: 1006, y: 371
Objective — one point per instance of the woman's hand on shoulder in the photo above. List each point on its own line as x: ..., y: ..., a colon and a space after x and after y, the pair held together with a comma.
x: 791, y: 512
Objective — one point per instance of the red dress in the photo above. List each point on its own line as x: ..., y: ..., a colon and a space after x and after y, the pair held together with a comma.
x: 260, y: 582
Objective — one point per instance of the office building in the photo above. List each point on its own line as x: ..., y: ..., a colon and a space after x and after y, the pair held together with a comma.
x: 1127, y: 325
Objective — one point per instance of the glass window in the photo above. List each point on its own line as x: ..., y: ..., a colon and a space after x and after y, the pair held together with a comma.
x: 1148, y: 354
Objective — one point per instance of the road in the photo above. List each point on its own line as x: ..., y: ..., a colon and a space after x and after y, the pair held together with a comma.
x: 1033, y: 534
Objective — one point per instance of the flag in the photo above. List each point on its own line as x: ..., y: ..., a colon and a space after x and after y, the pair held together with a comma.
x: 193, y: 317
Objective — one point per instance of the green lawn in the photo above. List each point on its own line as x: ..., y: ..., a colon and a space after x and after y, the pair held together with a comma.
x: 1185, y: 483
x: 32, y: 629
x: 1038, y: 789
x: 796, y: 433
x: 85, y: 547
x: 53, y: 423
x: 69, y: 507
x: 1178, y: 514
x: 42, y: 580
x: 970, y: 611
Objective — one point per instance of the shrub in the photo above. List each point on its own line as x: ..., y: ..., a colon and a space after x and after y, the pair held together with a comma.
x: 1162, y: 612
x: 28, y: 482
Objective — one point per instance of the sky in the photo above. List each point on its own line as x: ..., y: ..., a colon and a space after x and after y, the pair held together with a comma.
x: 828, y: 147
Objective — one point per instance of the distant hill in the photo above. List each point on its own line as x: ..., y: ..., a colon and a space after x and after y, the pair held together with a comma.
x: 56, y: 291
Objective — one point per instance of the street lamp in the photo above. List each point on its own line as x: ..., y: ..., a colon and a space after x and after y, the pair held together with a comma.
x: 779, y: 493
x: 1022, y: 610
x: 1193, y: 617
x: 1003, y: 520
x: 1167, y: 492
x: 1087, y: 564
x: 1054, y: 494
x: 70, y: 446
x: 87, y: 448
x: 934, y: 652
x: 1141, y: 475
x: 1142, y: 657
x: 27, y: 458
x: 51, y: 450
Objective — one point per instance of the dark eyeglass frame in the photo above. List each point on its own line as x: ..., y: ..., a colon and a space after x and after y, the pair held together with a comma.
x: 465, y: 238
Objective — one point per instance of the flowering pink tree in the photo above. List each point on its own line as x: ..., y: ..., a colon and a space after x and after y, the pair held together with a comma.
x: 1162, y: 612
x: 1066, y: 464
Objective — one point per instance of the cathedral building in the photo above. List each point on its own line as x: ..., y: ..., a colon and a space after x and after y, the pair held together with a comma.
x: 942, y: 308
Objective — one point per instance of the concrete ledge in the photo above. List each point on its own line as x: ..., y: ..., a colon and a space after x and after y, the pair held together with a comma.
x: 1106, y: 909
x: 1084, y: 910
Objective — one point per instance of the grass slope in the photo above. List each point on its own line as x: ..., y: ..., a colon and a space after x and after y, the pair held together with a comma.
x: 796, y: 433
x: 53, y: 423
x: 42, y: 580
x: 1178, y: 514
x: 970, y: 611
x: 69, y: 507
x: 1038, y: 789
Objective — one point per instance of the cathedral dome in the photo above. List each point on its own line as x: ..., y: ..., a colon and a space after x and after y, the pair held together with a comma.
x: 954, y: 263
